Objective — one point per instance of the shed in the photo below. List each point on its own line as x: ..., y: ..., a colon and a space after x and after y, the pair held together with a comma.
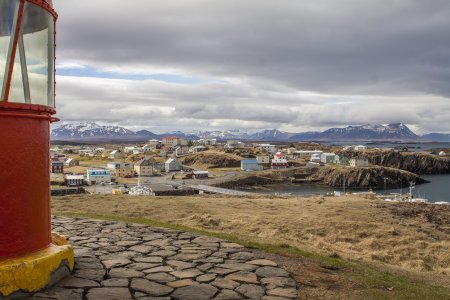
x: 197, y: 174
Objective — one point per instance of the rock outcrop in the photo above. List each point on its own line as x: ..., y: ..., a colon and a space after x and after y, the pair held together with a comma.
x: 364, y: 177
x: 212, y: 159
x: 419, y: 163
x: 355, y: 177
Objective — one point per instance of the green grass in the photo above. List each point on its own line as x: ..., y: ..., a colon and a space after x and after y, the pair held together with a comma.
x: 375, y: 284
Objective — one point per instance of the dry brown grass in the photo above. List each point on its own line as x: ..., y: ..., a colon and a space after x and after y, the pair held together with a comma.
x: 212, y: 159
x: 353, y: 228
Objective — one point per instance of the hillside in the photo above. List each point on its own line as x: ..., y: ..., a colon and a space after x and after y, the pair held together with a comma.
x: 334, y: 176
x: 419, y: 163
x: 212, y: 159
x: 437, y: 137
x: 367, y: 177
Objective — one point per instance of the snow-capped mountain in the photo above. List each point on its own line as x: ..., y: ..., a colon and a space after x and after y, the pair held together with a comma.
x: 237, y: 134
x: 398, y: 131
x: 95, y: 132
x: 223, y: 134
x: 271, y: 135
x: 89, y: 130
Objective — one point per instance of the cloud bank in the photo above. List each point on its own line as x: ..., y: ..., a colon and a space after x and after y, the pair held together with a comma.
x: 294, y: 65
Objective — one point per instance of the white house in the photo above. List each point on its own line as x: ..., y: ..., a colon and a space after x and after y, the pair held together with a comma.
x: 153, y: 143
x: 234, y: 145
x: 70, y: 162
x: 197, y: 149
x: 279, y: 163
x: 359, y: 162
x: 86, y: 152
x: 315, y: 158
x: 306, y: 153
x: 115, y: 154
x: 263, y: 159
x: 132, y: 149
x: 250, y: 165
x: 197, y: 175
x: 180, y: 151
x: 99, y: 150
x: 172, y: 165
x: 268, y: 148
x: 147, y: 148
x: 98, y: 175
x: 291, y: 151
x: 360, y: 148
x: 327, y: 158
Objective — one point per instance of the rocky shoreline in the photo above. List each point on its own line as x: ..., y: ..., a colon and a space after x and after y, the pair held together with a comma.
x: 419, y: 163
x: 333, y: 176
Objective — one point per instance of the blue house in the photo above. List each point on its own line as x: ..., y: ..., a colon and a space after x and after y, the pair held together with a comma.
x: 250, y: 165
x: 98, y: 175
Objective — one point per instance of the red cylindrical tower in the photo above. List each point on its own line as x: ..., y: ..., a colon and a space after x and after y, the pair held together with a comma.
x: 24, y: 199
x: 27, y: 85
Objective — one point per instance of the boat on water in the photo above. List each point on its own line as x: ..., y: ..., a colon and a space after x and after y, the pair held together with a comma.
x: 417, y: 200
x: 406, y: 198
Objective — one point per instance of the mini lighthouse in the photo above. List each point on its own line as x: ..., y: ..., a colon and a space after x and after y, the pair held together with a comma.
x: 31, y: 256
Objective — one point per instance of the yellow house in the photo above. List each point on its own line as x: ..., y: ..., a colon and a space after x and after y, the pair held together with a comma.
x: 120, y: 169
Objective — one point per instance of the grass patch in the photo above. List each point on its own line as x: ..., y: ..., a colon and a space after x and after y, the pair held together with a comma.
x: 372, y: 283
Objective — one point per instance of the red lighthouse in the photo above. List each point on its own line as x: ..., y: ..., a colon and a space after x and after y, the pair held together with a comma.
x: 28, y: 253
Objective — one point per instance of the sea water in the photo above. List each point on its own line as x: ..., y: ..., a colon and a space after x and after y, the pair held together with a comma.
x: 438, y: 189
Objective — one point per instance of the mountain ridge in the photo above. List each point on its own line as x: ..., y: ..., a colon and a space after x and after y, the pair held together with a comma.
x: 91, y: 131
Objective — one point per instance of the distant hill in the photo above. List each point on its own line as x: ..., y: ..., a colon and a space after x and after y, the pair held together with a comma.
x: 398, y: 131
x: 147, y: 135
x: 437, y: 137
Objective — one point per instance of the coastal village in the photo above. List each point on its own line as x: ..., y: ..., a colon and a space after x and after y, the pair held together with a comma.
x: 176, y: 166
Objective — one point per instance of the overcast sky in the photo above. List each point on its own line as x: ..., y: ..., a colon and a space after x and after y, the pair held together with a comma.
x: 287, y: 64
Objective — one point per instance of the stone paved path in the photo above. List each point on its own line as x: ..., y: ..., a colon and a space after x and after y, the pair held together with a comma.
x: 115, y: 260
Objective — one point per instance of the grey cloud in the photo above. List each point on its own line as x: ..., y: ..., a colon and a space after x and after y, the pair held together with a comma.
x: 267, y: 53
x: 348, y: 46
x: 264, y: 110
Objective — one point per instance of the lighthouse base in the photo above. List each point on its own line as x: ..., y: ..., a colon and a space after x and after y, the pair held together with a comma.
x: 33, y: 272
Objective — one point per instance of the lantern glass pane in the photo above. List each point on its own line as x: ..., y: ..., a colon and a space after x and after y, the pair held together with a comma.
x: 7, y: 13
x: 16, y: 93
x: 37, y: 32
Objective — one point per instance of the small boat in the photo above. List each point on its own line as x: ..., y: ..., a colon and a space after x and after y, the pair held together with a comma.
x: 418, y: 200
